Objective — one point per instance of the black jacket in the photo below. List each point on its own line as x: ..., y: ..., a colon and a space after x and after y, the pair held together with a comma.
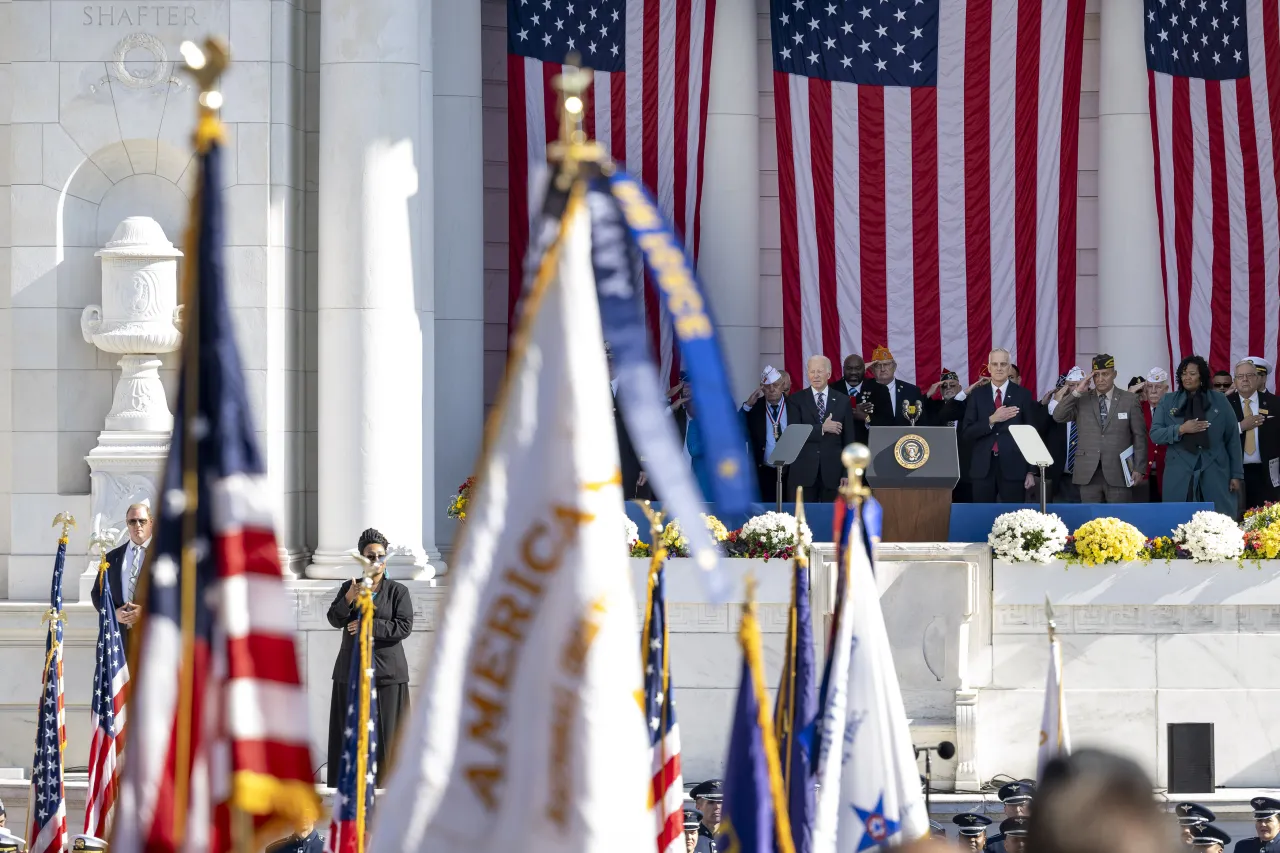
x: 627, y: 458
x: 115, y: 563
x: 977, y: 429
x: 392, y: 623
x: 821, y: 451
x: 869, y: 391
x: 889, y: 414
x: 1269, y: 432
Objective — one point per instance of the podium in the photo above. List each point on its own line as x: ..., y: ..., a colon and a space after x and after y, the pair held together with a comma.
x: 912, y: 473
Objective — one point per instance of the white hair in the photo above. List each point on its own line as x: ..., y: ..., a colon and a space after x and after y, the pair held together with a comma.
x: 821, y: 358
x: 1003, y: 350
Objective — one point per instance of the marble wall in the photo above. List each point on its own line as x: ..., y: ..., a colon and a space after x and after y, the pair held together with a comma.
x: 95, y: 126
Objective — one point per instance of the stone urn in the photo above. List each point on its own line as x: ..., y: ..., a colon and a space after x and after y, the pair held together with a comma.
x: 139, y: 318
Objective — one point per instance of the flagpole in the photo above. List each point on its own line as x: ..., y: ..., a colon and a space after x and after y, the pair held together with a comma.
x: 783, y: 719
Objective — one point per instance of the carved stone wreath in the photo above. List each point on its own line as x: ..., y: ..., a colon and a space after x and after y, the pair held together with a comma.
x: 140, y: 41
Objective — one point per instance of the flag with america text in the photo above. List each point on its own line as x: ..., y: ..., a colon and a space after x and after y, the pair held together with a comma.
x: 1213, y: 82
x: 47, y: 806
x: 106, y: 716
x: 647, y: 106
x: 220, y: 753
x: 927, y: 181
x: 667, y: 788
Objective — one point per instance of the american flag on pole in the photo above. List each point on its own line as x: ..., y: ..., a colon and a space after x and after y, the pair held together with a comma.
x: 1213, y: 82
x: 353, y: 802
x: 647, y: 106
x: 106, y: 716
x: 47, y: 806
x: 667, y: 788
x: 218, y: 712
x: 927, y: 181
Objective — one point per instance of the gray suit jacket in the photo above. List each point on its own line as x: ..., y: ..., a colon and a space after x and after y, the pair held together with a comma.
x: 1102, y: 447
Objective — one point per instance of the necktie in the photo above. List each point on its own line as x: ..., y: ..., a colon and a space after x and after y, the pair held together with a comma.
x: 1073, y: 441
x: 822, y: 408
x: 995, y: 445
x: 1250, y: 440
x: 1102, y: 411
x: 136, y: 553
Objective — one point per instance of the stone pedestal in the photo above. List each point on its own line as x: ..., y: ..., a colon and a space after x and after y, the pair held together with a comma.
x: 138, y: 319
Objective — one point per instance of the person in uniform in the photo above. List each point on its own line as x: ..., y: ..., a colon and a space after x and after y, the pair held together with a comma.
x: 1191, y: 815
x: 692, y: 820
x: 1013, y: 834
x: 1016, y: 797
x: 1266, y: 821
x: 1210, y: 838
x: 973, y: 830
x: 88, y: 844
x: 305, y: 840
x: 708, y: 797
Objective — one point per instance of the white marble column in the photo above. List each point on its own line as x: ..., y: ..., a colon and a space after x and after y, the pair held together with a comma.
x: 459, y: 249
x: 1131, y: 323
x: 372, y: 330
x: 729, y: 256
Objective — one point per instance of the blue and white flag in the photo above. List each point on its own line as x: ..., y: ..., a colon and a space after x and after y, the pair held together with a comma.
x: 869, y: 793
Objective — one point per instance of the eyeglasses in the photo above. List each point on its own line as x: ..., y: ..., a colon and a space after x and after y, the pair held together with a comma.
x: 137, y: 522
x: 376, y: 558
x: 1222, y: 386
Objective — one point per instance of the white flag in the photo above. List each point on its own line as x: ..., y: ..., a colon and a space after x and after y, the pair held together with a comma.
x: 1055, y: 739
x: 528, y: 734
x: 869, y: 787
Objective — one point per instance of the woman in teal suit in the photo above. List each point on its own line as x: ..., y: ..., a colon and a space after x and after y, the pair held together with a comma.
x: 1200, y: 429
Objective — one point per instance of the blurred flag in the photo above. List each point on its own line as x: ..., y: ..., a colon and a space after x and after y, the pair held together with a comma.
x: 660, y: 710
x: 1055, y: 738
x: 868, y: 784
x: 354, y: 799
x: 218, y: 711
x: 47, y: 806
x: 754, y: 819
x: 529, y: 733
x: 106, y: 715
x: 796, y: 707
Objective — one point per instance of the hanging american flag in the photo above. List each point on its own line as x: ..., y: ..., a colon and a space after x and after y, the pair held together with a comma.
x: 1213, y: 82
x: 667, y: 789
x: 47, y: 815
x: 927, y: 181
x: 218, y: 711
x: 106, y: 715
x: 353, y: 802
x: 647, y: 106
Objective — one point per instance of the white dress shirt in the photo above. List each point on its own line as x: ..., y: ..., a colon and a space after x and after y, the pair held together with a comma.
x: 892, y: 388
x: 1004, y: 393
x: 134, y: 556
x: 769, y: 441
x: 1256, y: 455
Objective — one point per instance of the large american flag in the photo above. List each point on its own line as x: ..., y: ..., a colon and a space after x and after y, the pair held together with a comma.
x: 353, y: 802
x: 218, y: 713
x: 47, y: 815
x: 647, y: 106
x: 927, y: 181
x: 1214, y: 89
x: 106, y: 716
x: 667, y: 789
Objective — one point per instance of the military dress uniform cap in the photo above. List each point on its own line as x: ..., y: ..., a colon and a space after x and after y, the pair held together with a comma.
x: 9, y: 844
x: 692, y: 817
x: 7, y: 835
x: 1016, y: 792
x: 88, y: 842
x: 1103, y: 361
x: 712, y: 789
x: 949, y: 375
x: 1015, y: 826
x: 1207, y: 834
x: 1264, y: 807
x: 972, y: 824
x: 1190, y: 814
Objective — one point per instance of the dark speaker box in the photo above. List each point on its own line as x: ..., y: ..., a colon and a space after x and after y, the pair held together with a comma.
x: 1191, y: 758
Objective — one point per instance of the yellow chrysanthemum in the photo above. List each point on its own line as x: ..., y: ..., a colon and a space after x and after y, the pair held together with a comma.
x: 1268, y: 543
x: 1108, y: 540
x: 716, y: 527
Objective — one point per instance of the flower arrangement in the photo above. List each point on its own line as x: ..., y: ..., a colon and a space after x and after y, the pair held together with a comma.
x: 674, y: 540
x: 1261, y: 516
x: 1210, y: 537
x: 1263, y: 543
x: 458, y: 503
x: 715, y: 527
x: 632, y: 532
x: 773, y: 534
x: 1108, y: 540
x: 1028, y: 536
x: 1164, y: 548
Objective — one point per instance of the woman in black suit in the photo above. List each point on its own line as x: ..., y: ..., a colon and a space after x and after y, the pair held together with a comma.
x: 392, y: 623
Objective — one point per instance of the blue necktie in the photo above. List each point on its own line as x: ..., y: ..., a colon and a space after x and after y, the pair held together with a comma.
x: 1073, y: 441
x: 822, y: 408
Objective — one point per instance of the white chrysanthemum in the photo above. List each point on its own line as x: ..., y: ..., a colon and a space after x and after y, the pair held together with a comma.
x: 774, y: 531
x: 633, y: 532
x: 1210, y: 537
x: 1027, y: 536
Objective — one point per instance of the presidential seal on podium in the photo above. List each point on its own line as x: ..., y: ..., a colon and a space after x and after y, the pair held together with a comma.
x: 911, y: 451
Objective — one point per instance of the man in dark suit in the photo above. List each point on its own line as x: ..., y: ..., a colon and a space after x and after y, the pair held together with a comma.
x: 948, y: 410
x: 865, y: 395
x: 1256, y: 409
x: 818, y: 468
x: 766, y: 415
x: 905, y: 400
x: 996, y: 466
x: 1062, y: 439
x: 124, y: 564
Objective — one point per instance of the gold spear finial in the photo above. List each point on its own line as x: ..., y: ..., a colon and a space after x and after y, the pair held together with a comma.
x: 855, y: 458
x: 66, y: 519
x: 206, y: 64
x: 573, y: 148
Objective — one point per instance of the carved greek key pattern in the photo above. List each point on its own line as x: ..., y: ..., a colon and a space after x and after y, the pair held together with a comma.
x: 1141, y: 619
